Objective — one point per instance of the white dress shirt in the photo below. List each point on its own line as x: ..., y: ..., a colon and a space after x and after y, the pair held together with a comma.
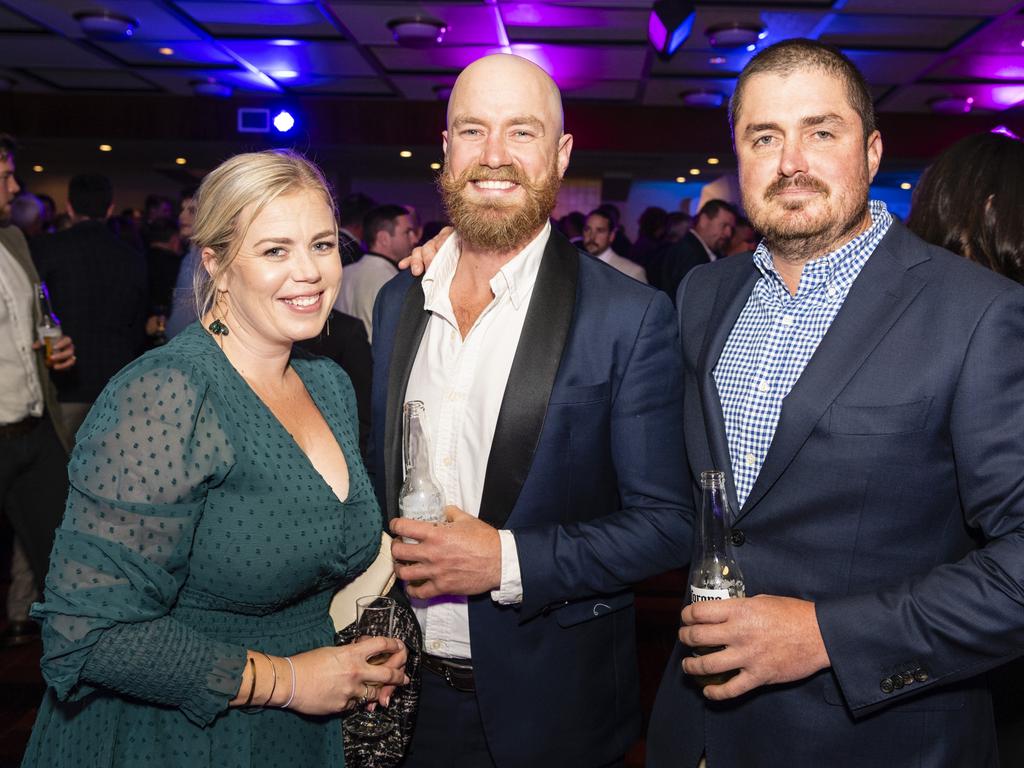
x: 624, y: 265
x: 21, y: 394
x: 360, y: 283
x: 461, y: 382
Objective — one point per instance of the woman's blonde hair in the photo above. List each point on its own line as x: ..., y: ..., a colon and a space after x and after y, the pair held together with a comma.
x: 253, y: 179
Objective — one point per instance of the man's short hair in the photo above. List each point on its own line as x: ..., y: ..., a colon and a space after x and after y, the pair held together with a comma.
x: 787, y: 56
x: 352, y: 209
x: 612, y: 212
x: 8, y: 146
x: 381, y: 219
x: 603, y: 213
x: 712, y: 208
x: 91, y: 194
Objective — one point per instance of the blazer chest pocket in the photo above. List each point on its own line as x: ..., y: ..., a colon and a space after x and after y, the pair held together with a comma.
x: 592, y: 608
x: 878, y: 419
x: 578, y: 395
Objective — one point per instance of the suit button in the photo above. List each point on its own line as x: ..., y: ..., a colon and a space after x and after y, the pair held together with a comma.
x: 908, y: 677
x: 920, y: 675
x: 886, y: 685
x: 738, y: 537
x: 546, y: 610
x: 897, y: 681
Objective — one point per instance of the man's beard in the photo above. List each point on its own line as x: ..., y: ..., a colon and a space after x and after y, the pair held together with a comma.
x: 498, y: 226
x: 797, y: 239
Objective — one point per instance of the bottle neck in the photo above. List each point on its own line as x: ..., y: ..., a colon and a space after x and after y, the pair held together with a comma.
x: 415, y: 450
x: 714, y: 522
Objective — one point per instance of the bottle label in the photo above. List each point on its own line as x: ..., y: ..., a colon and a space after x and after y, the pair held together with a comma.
x: 702, y: 594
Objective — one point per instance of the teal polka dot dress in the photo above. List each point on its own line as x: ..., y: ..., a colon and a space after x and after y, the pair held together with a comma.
x: 195, y: 528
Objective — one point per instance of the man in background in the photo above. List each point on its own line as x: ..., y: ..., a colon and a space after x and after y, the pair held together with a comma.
x: 702, y: 244
x: 597, y: 240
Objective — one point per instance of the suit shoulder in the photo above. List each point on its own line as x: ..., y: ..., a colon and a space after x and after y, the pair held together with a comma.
x: 597, y: 275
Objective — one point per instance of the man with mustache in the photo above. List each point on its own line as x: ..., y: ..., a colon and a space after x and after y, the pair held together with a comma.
x: 866, y: 392
x: 551, y: 385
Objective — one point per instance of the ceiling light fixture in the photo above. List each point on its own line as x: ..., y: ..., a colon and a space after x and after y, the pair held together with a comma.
x: 713, y: 161
x: 669, y: 24
x: 435, y: 166
x: 283, y: 74
x: 695, y: 171
x: 734, y: 35
x: 104, y: 25
x: 106, y: 148
x: 418, y: 31
x: 180, y: 160
x: 703, y: 99
x: 211, y: 88
x: 165, y: 51
x: 680, y: 179
x: 905, y: 185
x: 405, y: 153
x: 951, y: 105
x: 283, y: 121
x: 38, y: 168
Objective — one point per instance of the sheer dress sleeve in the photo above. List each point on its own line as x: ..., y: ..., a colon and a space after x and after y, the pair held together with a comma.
x: 149, y: 450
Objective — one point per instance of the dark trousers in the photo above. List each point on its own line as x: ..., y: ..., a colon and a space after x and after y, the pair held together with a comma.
x: 449, y: 732
x: 33, y: 490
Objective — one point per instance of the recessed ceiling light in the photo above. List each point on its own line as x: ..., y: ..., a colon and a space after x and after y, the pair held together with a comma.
x: 713, y: 161
x: 716, y: 60
x: 285, y: 42
x: 283, y: 74
x: 702, y: 99
x: 734, y: 35
x: 38, y: 168
x: 180, y: 160
x: 165, y: 51
x: 210, y: 88
x: 680, y: 179
x: 104, y: 25
x: 105, y: 148
x: 695, y: 171
x: 905, y: 185
x: 418, y: 31
x: 435, y: 166
x: 951, y: 105
x: 405, y: 153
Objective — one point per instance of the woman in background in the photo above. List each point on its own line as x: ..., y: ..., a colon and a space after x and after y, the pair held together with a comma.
x: 217, y: 502
x: 971, y: 201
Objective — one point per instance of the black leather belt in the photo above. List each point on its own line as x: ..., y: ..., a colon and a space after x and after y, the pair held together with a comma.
x: 458, y: 673
x: 20, y: 428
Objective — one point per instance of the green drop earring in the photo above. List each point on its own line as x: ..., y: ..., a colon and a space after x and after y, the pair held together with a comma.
x: 218, y: 328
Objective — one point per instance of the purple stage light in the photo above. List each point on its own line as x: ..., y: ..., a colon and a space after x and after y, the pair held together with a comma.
x: 669, y: 24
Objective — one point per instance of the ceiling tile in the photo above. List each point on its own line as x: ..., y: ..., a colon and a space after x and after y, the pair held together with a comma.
x: 891, y: 67
x: 534, y: 22
x: 256, y: 19
x: 980, y: 67
x: 15, y: 22
x: 1004, y: 36
x: 914, y: 98
x: 306, y: 59
x: 346, y: 86
x: 666, y: 92
x: 913, y: 32
x: 185, y: 53
x: 27, y: 51
x: 94, y: 80
x: 156, y: 22
x: 931, y: 7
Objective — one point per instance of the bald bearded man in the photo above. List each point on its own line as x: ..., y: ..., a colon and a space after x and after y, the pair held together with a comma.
x: 552, y: 391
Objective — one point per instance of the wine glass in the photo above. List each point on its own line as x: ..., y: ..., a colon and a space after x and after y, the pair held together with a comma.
x: 375, y: 617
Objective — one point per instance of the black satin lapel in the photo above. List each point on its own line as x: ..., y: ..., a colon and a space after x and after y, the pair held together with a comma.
x: 530, y: 380
x: 730, y: 298
x: 880, y: 294
x: 411, y: 325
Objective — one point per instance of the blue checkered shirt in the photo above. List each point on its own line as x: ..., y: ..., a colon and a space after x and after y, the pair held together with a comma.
x: 773, y: 340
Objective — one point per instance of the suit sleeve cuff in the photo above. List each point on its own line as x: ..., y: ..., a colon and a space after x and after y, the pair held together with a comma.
x: 510, y: 592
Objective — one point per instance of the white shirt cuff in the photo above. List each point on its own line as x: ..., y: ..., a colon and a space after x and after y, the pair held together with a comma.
x: 510, y: 592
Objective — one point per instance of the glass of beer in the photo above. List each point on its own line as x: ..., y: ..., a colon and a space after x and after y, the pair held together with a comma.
x: 375, y: 617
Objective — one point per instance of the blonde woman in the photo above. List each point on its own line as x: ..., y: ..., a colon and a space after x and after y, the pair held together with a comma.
x: 217, y: 501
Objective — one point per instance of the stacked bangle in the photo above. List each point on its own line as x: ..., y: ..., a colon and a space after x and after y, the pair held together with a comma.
x: 252, y: 688
x: 292, y: 666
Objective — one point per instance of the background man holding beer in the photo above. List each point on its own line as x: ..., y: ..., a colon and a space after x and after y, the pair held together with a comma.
x: 867, y: 392
x: 33, y: 455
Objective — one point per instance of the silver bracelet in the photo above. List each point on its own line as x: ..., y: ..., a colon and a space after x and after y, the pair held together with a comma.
x: 292, y: 666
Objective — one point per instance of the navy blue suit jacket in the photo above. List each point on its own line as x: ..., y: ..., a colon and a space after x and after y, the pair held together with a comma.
x: 585, y: 471
x: 893, y: 497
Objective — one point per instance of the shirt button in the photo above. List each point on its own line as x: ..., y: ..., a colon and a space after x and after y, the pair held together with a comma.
x: 787, y: 320
x: 447, y: 461
x: 831, y: 291
x: 751, y: 459
x: 435, y: 645
x: 763, y: 386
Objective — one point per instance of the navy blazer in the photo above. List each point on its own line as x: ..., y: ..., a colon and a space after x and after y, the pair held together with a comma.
x: 585, y: 471
x: 893, y: 497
